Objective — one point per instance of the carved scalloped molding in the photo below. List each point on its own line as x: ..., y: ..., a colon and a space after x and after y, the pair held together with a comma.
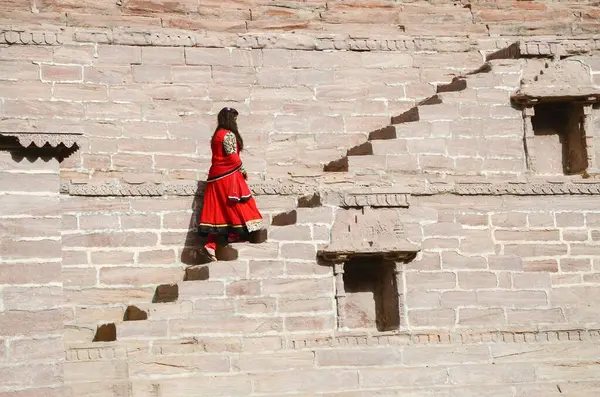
x: 169, y: 37
x: 32, y: 37
x: 41, y: 139
x: 374, y: 200
x: 119, y: 350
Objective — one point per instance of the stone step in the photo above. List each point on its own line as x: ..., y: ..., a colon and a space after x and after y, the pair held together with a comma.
x: 377, y: 164
x: 429, y: 112
x: 161, y: 311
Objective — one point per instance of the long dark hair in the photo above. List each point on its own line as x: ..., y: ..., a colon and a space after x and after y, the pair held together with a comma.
x: 227, y: 120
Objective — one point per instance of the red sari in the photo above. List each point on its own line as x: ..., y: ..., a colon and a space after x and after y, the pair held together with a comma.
x: 229, y: 207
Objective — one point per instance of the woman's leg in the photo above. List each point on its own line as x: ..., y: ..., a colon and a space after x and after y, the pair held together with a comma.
x: 211, y: 247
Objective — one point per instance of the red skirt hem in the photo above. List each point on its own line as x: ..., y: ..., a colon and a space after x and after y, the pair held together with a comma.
x: 229, y: 208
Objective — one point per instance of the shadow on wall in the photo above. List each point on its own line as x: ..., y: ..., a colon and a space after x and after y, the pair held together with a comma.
x: 192, y: 253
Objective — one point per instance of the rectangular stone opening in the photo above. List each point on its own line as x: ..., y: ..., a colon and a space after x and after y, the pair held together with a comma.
x: 371, y: 300
x: 559, y: 138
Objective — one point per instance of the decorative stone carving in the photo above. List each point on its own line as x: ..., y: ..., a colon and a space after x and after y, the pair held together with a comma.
x: 170, y: 188
x: 375, y: 198
x: 368, y: 232
x: 17, y: 36
x: 115, y: 188
x: 342, y: 199
x: 178, y: 38
x: 527, y: 189
x: 39, y: 140
x: 458, y: 337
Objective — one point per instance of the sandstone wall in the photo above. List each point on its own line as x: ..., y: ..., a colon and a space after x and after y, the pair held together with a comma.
x: 31, y: 303
x: 487, y: 262
x: 499, y: 302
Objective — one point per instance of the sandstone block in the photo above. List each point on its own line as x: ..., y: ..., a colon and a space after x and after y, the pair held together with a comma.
x: 25, y: 323
x: 310, y: 323
x: 425, y: 355
x: 477, y: 280
x: 512, y: 298
x: 291, y: 286
x: 108, y: 296
x: 119, y: 54
x: 215, y: 307
x: 492, y: 374
x: 135, y: 330
x: 453, y: 260
x: 430, y: 280
x: 539, y: 316
x: 432, y: 317
x: 165, y: 365
x: 221, y: 325
x: 505, y: 262
x: 243, y: 288
x: 211, y: 385
x: 363, y: 357
x: 306, y: 381
x: 152, y: 74
x: 257, y: 363
x: 163, y: 56
x: 403, y: 377
x: 65, y: 73
x: 256, y: 306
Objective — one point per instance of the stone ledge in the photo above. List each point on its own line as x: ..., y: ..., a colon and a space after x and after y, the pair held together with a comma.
x: 344, y: 197
x: 122, y: 350
x: 170, y: 188
x: 318, y: 41
x: 457, y: 337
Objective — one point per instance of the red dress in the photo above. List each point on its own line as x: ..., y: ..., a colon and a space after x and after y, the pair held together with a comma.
x: 229, y: 207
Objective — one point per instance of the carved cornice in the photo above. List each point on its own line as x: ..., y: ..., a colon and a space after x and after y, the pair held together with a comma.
x: 114, y: 187
x: 101, y: 351
x: 528, y: 189
x: 456, y: 337
x: 347, y: 199
x: 549, y: 46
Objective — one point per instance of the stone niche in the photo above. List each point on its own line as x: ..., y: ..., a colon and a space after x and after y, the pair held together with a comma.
x: 368, y: 253
x: 557, y: 98
x: 559, y: 138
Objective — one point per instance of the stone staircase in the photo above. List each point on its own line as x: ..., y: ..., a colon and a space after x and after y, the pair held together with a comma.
x: 420, y: 140
x: 225, y: 296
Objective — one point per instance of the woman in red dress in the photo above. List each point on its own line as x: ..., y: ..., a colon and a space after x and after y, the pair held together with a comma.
x: 229, y: 212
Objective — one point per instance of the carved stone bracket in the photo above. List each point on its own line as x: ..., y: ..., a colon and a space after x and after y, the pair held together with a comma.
x: 368, y: 232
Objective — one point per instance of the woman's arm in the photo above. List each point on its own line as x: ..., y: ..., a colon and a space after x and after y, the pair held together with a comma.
x: 230, y: 149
